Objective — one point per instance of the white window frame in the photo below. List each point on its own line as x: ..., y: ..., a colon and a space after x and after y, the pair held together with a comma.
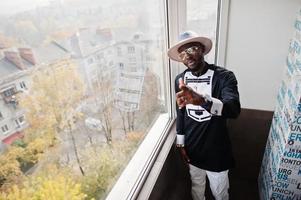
x: 133, y: 182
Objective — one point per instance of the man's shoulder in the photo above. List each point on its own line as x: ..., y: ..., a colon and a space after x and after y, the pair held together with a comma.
x: 218, y: 70
x: 181, y: 75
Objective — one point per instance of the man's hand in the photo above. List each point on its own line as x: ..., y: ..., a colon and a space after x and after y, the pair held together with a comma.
x: 184, y: 155
x: 188, y: 96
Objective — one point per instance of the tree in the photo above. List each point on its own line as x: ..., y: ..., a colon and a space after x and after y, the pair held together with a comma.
x: 52, y: 183
x: 128, y: 120
x: 56, y: 91
x: 105, y: 168
x: 104, y: 90
x: 51, y: 103
x: 149, y: 100
x: 9, y: 166
x: 27, y: 31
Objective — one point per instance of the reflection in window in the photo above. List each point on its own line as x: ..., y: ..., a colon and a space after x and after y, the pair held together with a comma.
x: 88, y: 105
x: 202, y: 18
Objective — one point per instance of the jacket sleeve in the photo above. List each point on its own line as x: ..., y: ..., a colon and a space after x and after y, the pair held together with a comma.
x: 180, y: 118
x: 230, y: 96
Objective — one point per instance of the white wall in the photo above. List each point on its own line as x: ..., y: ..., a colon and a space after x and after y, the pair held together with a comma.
x: 258, y: 39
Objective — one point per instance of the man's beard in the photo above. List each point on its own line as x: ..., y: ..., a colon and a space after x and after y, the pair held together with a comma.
x: 198, y: 65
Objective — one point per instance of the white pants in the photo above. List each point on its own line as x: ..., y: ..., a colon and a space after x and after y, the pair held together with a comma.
x: 219, y: 183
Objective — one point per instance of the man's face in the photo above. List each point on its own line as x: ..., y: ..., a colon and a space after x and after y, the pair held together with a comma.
x: 192, y: 56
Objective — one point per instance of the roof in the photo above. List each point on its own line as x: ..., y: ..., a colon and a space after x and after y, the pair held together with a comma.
x: 13, y: 137
x: 50, y: 53
x: 7, y: 68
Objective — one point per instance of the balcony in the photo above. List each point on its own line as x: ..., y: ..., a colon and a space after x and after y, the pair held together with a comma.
x: 169, y: 177
x: 9, y: 96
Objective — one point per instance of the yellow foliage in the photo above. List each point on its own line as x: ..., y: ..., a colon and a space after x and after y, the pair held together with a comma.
x: 56, y: 91
x: 134, y: 136
x: 103, y: 172
x: 34, y: 150
x: 9, y: 165
x: 53, y: 185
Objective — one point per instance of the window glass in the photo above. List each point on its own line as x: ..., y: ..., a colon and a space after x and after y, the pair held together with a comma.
x: 4, y: 128
x: 91, y: 95
x: 202, y: 18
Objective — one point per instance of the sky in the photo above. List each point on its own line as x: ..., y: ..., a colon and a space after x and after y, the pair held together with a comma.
x: 14, y: 6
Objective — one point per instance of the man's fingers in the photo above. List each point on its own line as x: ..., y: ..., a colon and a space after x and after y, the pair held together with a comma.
x: 180, y: 94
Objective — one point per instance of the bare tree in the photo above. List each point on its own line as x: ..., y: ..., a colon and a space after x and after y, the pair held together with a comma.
x: 75, y: 149
x: 104, y: 95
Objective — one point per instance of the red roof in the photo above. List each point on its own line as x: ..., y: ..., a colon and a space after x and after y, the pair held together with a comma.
x: 10, y: 139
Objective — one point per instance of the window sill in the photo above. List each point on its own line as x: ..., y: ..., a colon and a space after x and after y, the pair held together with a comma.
x: 134, y: 175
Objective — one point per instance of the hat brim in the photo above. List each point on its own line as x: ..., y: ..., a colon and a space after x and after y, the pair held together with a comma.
x: 173, y: 51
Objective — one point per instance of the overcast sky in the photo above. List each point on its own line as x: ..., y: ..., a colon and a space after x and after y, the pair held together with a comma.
x: 13, y: 6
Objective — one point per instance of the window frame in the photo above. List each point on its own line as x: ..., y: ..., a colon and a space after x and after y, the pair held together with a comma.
x: 134, y: 183
x: 133, y: 177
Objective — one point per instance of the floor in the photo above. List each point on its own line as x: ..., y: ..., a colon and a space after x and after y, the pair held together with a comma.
x: 248, y: 134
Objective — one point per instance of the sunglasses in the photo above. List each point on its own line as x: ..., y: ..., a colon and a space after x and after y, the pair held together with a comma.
x: 191, y: 51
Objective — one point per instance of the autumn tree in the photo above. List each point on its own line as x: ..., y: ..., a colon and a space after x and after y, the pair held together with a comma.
x: 51, y: 103
x: 104, y: 168
x: 9, y: 166
x: 56, y: 91
x: 150, y: 103
x: 52, y: 183
x: 104, y: 92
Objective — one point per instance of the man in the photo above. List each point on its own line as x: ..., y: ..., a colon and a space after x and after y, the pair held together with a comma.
x: 206, y: 96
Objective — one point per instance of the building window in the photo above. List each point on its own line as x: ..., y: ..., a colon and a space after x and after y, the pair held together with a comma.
x: 131, y: 49
x: 1, y: 116
x: 10, y: 92
x: 119, y: 51
x: 121, y: 66
x: 4, y: 129
x: 22, y: 85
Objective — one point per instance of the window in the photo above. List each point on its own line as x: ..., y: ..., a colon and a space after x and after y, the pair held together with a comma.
x: 22, y: 85
x: 93, y: 120
x: 119, y: 51
x: 4, y: 129
x: 121, y: 66
x: 93, y: 117
x: 131, y: 49
x: 1, y: 116
x: 9, y: 92
x: 202, y: 18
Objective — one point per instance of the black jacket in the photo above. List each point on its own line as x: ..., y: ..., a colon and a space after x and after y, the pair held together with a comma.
x: 207, y: 143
